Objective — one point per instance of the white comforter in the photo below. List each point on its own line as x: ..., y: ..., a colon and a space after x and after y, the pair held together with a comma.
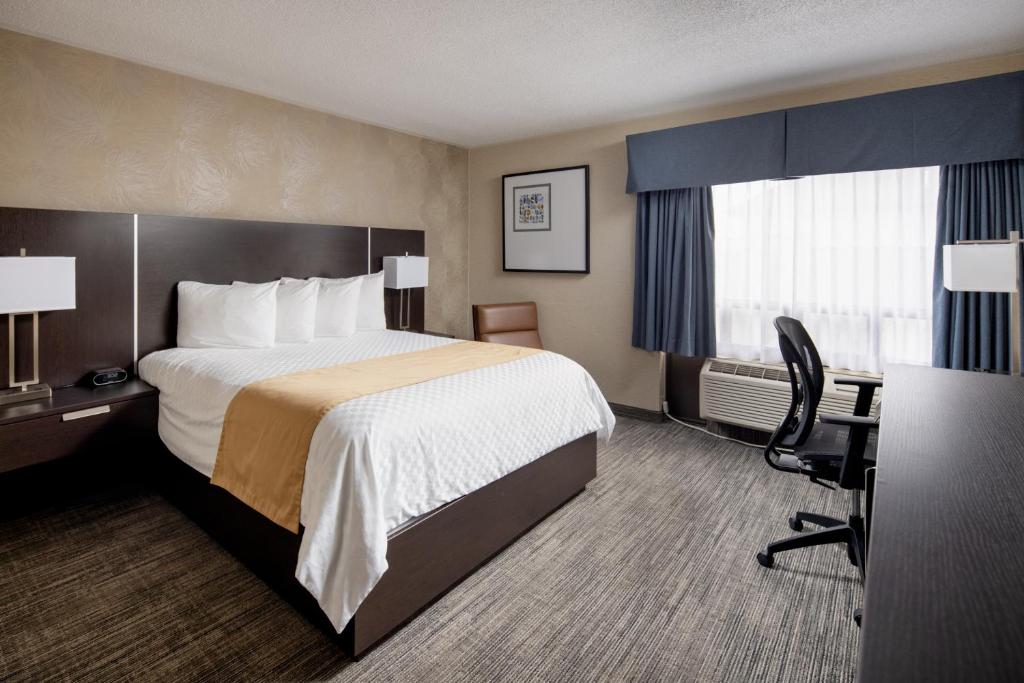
x: 380, y: 460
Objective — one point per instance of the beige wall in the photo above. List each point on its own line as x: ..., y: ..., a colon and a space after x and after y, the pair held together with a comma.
x: 589, y: 318
x: 82, y: 131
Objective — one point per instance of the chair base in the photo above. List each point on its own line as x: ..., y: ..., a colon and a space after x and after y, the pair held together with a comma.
x: 850, y: 532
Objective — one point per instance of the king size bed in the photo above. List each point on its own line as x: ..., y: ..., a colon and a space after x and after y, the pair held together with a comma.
x: 406, y: 487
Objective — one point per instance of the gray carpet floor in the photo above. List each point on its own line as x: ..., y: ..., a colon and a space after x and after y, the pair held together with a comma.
x: 647, y: 576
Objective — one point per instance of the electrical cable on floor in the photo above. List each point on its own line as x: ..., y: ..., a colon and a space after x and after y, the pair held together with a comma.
x: 711, y: 433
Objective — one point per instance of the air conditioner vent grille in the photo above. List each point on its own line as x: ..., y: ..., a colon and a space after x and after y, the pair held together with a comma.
x: 745, y: 370
x: 738, y: 393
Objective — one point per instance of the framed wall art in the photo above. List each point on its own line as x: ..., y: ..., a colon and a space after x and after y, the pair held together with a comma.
x: 546, y: 221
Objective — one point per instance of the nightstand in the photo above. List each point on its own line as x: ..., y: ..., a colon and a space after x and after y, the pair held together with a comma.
x: 434, y: 334
x: 76, y: 419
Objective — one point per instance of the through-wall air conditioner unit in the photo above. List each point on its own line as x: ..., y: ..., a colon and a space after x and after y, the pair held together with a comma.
x: 757, y: 395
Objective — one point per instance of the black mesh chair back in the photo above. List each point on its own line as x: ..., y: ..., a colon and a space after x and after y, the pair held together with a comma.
x: 806, y: 382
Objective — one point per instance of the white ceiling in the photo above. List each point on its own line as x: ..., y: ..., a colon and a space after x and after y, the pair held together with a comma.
x: 475, y: 73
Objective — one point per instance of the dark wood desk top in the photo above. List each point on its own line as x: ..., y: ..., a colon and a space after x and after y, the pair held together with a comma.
x: 944, y: 599
x: 74, y: 398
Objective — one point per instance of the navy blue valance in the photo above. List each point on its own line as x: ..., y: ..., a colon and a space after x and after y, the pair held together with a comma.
x: 957, y: 123
x: 726, y: 151
x: 964, y: 122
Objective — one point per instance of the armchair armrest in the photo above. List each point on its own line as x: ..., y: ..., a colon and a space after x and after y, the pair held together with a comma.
x: 865, y: 392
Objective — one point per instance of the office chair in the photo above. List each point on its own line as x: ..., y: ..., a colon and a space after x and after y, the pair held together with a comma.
x: 514, y: 324
x: 836, y: 449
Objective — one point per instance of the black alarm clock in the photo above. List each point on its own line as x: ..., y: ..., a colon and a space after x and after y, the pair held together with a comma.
x: 101, y: 378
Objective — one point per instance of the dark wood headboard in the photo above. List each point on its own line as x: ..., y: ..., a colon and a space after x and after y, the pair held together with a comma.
x: 103, y: 330
x: 219, y: 251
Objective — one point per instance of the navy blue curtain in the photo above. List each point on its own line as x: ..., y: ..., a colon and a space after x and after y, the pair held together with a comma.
x: 674, y: 287
x: 971, y: 330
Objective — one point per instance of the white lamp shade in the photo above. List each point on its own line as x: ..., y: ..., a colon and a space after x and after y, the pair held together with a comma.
x: 979, y: 267
x: 405, y: 272
x: 36, y: 283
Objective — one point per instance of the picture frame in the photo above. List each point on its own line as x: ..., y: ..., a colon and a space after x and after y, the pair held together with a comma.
x: 546, y: 220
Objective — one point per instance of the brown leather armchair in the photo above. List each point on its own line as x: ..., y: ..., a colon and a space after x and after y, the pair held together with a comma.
x: 514, y: 324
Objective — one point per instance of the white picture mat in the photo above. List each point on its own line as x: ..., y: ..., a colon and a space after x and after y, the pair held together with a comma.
x: 564, y: 246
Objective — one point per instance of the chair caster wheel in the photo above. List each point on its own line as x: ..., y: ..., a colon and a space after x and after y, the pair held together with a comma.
x: 858, y: 614
x: 795, y: 524
x: 765, y: 560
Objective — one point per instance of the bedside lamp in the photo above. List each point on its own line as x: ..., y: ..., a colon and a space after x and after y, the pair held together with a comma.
x: 402, y: 273
x: 988, y: 266
x: 28, y: 285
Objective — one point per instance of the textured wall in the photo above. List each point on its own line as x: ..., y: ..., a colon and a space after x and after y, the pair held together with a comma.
x: 80, y: 130
x: 589, y: 317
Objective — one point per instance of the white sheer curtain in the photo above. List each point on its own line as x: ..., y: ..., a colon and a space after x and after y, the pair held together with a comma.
x: 850, y: 255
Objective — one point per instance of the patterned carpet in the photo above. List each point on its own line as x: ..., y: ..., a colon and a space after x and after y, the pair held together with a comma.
x: 649, y: 576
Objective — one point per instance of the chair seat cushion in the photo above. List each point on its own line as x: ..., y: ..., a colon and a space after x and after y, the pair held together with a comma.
x: 830, y: 440
x: 822, y: 453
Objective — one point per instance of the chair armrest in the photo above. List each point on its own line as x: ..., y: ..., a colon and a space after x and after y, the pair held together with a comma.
x: 865, y: 392
x: 850, y: 420
x: 856, y: 440
x: 859, y: 382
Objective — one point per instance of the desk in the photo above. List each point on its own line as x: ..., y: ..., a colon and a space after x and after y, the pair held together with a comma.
x: 944, y: 598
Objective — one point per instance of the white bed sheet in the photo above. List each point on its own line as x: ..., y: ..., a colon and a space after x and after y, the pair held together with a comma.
x: 378, y: 461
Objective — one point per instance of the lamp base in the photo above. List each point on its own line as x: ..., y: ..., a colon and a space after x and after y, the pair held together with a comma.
x: 32, y: 392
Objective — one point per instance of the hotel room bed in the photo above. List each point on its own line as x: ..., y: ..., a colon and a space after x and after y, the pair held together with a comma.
x: 384, y: 462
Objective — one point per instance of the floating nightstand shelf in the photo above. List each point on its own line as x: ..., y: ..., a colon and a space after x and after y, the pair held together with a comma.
x: 76, y: 419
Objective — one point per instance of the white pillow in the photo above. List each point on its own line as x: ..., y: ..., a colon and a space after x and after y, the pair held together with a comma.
x: 371, y: 300
x: 238, y: 315
x: 296, y: 310
x: 337, y: 308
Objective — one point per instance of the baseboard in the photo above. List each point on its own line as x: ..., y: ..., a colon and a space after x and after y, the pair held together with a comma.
x: 637, y: 413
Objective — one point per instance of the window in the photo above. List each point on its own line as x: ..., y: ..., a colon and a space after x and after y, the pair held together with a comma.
x: 850, y: 255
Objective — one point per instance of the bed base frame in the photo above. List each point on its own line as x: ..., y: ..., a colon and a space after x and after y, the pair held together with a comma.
x: 425, y: 558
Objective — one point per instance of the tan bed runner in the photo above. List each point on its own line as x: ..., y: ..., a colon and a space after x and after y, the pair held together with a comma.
x: 269, y: 424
